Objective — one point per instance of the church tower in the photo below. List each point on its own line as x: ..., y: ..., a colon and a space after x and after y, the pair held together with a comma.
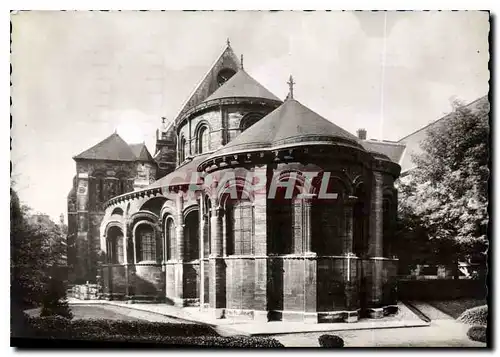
x: 226, y: 65
x: 108, y: 169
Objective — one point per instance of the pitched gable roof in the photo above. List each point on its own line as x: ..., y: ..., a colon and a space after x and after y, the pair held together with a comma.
x: 290, y: 124
x: 113, y: 148
x: 242, y: 85
x: 209, y: 84
x: 141, y: 152
x: 413, y: 140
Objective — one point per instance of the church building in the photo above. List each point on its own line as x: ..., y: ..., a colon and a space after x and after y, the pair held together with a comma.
x: 252, y: 207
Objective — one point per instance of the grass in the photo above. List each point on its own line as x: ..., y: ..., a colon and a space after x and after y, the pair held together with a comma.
x: 455, y: 308
x: 90, y: 312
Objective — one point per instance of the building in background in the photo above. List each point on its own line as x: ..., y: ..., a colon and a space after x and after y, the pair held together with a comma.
x: 110, y: 168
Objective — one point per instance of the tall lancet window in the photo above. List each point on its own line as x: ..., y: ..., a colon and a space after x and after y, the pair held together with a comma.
x: 203, y: 140
x: 183, y: 149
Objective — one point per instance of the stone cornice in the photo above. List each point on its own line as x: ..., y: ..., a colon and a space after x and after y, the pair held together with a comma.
x: 225, y: 101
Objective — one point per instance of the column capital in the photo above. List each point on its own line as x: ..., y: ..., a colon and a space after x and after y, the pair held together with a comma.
x: 351, y: 200
x: 217, y: 211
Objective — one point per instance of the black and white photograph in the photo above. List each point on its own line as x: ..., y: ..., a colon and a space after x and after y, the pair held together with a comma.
x: 250, y: 179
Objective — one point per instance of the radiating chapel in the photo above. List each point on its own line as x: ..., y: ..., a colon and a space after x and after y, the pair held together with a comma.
x: 252, y: 207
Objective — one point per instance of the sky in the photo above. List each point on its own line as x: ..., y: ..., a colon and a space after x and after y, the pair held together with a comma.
x: 79, y: 76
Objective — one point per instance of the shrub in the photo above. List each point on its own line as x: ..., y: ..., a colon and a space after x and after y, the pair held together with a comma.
x: 207, y: 341
x: 476, y: 316
x: 477, y: 333
x: 141, y: 332
x: 54, y: 301
x: 141, y: 328
x: 330, y: 341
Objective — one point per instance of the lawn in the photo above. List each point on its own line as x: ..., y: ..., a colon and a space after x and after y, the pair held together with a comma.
x: 455, y: 308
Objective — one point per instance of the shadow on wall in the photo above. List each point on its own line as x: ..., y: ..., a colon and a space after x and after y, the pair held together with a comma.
x: 147, y: 281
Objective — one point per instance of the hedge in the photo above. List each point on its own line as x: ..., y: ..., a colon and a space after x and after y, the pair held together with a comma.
x: 55, y: 327
x: 477, y: 333
x: 476, y: 316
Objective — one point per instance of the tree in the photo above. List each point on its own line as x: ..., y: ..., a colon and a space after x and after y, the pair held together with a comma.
x: 37, y: 245
x: 447, y: 193
x: 54, y: 300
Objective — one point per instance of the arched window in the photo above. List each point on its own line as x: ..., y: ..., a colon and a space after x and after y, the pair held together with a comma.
x: 203, y: 140
x: 145, y: 243
x: 170, y: 238
x: 387, y: 226
x: 191, y: 236
x: 327, y: 218
x: 115, y: 245
x: 360, y: 222
x: 123, y: 186
x: 100, y: 194
x: 249, y: 120
x: 287, y: 220
x: 182, y: 149
x: 240, y: 227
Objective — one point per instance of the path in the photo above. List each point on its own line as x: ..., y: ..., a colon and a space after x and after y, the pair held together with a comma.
x: 443, y: 331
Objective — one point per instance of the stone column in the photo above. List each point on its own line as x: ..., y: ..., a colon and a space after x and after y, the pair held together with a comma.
x: 375, y: 248
x: 82, y: 243
x: 351, y: 277
x: 179, y: 233
x: 202, y: 252
x: 217, y: 278
x: 349, y: 218
x: 125, y: 257
x: 260, y: 252
x: 376, y: 217
x: 310, y: 265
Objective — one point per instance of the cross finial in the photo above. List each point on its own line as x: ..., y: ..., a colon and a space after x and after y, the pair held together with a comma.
x: 290, y: 84
x: 228, y: 42
x: 241, y: 61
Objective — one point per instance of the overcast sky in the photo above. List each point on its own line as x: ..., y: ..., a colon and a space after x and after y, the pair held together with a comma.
x: 78, y: 76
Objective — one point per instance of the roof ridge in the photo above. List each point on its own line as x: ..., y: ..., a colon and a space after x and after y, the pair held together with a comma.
x: 231, y: 86
x: 443, y: 117
x: 100, y: 151
x: 183, y: 106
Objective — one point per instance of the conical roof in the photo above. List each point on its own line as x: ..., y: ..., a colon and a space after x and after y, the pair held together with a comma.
x: 242, y: 85
x: 291, y: 124
x: 112, y: 148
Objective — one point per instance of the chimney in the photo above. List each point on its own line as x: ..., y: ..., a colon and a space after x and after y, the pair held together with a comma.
x: 361, y: 134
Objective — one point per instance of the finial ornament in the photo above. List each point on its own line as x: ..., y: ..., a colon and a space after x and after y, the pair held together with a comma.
x: 228, y: 42
x: 115, y: 131
x: 241, y: 61
x: 290, y: 84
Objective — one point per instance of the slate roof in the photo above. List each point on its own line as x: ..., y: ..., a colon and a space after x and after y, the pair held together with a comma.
x: 291, y: 124
x: 242, y: 85
x: 392, y: 150
x: 114, y: 148
x: 413, y: 140
x: 208, y: 83
x: 181, y: 176
x: 141, y: 152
